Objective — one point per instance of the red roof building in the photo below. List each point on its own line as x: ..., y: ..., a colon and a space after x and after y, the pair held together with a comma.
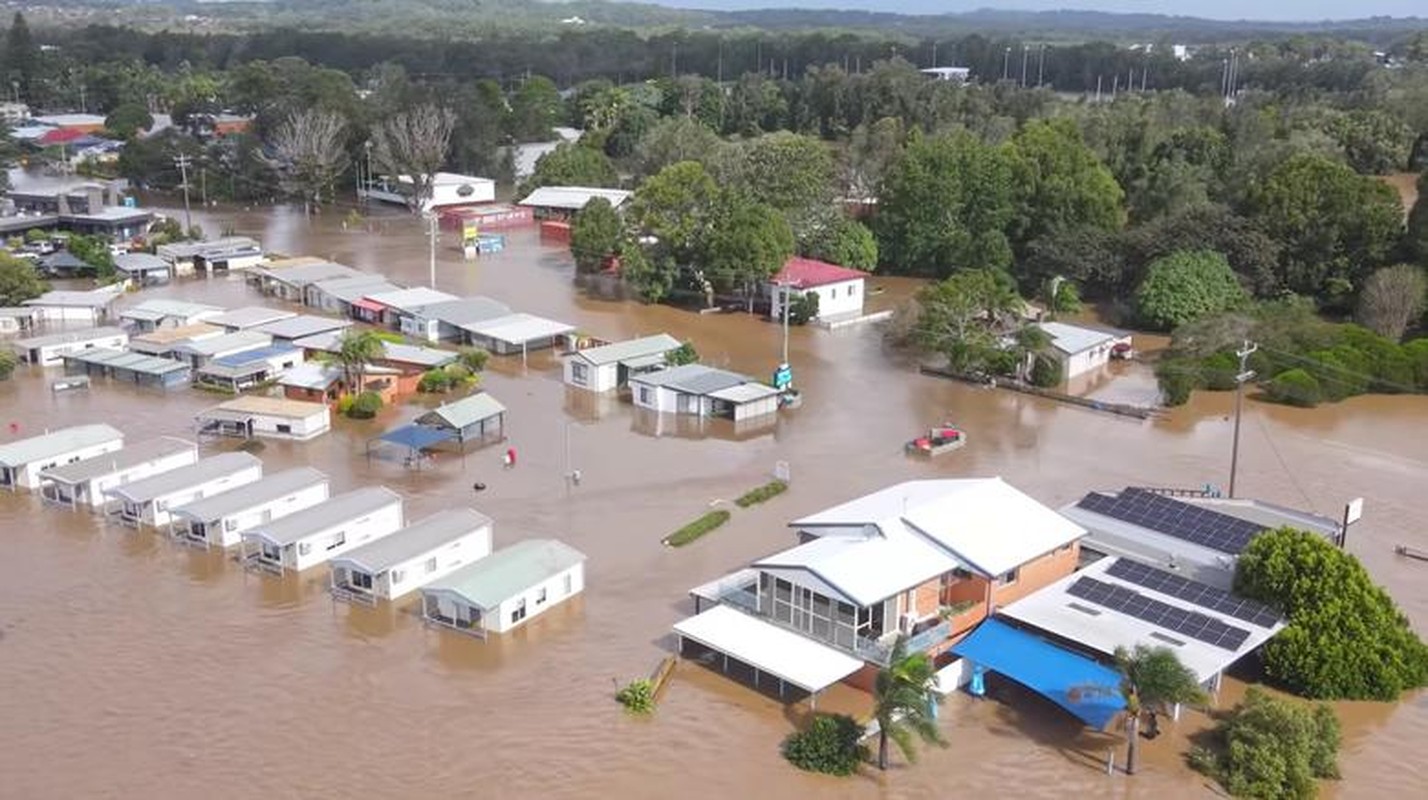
x: 808, y: 273
x: 839, y: 289
x: 60, y: 136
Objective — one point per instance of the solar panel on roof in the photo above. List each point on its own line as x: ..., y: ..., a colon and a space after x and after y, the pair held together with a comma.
x: 1175, y: 518
x: 1194, y: 592
x: 1132, y: 603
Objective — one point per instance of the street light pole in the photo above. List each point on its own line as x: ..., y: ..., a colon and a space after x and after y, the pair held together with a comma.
x: 431, y: 221
x: 1243, y: 375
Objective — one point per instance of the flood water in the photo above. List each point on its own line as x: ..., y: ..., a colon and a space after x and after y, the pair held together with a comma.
x: 130, y: 666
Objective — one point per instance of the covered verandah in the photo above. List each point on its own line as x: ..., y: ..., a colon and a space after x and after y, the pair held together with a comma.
x: 724, y: 636
x: 418, y: 439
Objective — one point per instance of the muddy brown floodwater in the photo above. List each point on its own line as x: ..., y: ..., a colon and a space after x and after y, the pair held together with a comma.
x: 133, y: 667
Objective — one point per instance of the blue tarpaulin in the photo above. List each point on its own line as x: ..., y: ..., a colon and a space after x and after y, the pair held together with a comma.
x: 1084, y: 687
x: 416, y: 437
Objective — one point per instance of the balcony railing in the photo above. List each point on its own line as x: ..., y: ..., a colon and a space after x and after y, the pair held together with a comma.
x: 877, y: 651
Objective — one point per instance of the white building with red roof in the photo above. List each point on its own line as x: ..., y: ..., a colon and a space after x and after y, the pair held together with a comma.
x: 839, y: 289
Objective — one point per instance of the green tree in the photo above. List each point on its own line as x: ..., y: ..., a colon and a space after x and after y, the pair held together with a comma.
x: 22, y: 57
x: 1252, y: 254
x: 871, y: 150
x: 842, y: 241
x: 126, y: 120
x: 649, y: 275
x: 572, y: 165
x: 790, y: 173
x: 19, y: 281
x: 1295, y: 387
x: 1184, y: 171
x: 1392, y: 299
x: 684, y: 354
x: 962, y: 317
x: 1152, y: 681
x: 676, y: 139
x: 902, y: 703
x: 1335, y: 226
x: 1345, y: 638
x: 356, y: 350
x: 536, y: 107
x: 1415, y: 240
x: 1272, y: 749
x: 474, y: 358
x: 594, y: 234
x: 832, y: 745
x: 1185, y: 286
x: 8, y: 361
x: 94, y: 251
x: 945, y: 205
x: 745, y: 243
x: 674, y: 206
x: 1374, y: 141
x: 1059, y: 182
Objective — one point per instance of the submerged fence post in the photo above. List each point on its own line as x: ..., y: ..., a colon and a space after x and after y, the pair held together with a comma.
x: 1111, y: 762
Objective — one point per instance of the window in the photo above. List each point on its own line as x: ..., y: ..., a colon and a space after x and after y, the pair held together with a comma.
x: 230, y: 525
x: 398, y: 575
x: 646, y: 396
x: 338, y: 540
x: 579, y: 373
x: 430, y: 565
x: 569, y: 583
x: 540, y: 596
x: 304, y: 548
x: 360, y: 579
x: 285, y: 429
x: 519, y: 613
x: 1008, y: 578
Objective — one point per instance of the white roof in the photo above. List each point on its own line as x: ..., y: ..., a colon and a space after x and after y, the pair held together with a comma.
x: 205, y: 470
x: 572, y: 198
x: 800, y: 661
x: 297, y: 326
x: 656, y: 345
x: 129, y: 457
x: 411, y: 299
x: 161, y: 308
x: 71, y: 337
x: 986, y: 524
x: 1051, y: 609
x: 235, y: 342
x: 139, y: 262
x: 744, y: 393
x: 259, y: 406
x: 317, y: 375
x: 250, y: 317
x: 69, y: 120
x: 861, y: 568
x: 1073, y: 339
x: 518, y: 328
x: 96, y: 298
x: 326, y: 515
x: 56, y: 443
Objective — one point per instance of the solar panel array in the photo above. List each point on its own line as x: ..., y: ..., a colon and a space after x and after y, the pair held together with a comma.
x: 1168, y: 583
x: 1175, y: 518
x: 1132, y: 603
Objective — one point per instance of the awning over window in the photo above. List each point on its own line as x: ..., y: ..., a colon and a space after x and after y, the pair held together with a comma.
x: 369, y: 305
x: 772, y: 650
x: 1088, y: 689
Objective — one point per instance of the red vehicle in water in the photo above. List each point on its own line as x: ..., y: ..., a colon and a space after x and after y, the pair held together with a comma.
x: 938, y: 440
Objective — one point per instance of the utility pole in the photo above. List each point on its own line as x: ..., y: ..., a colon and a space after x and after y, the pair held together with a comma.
x: 1024, y: 53
x: 1244, y: 375
x: 1006, y: 59
x: 203, y: 184
x: 934, y: 54
x: 431, y: 230
x: 182, y: 163
x: 1040, y: 65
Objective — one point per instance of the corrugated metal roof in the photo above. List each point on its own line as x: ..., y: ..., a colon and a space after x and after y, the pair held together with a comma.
x: 466, y: 310
x: 656, y: 345
x: 127, y: 360
x: 266, y: 490
x: 164, y: 337
x: 325, y: 515
x: 139, y: 262
x: 421, y: 356
x: 110, y: 463
x: 350, y: 290
x: 296, y: 327
x: 518, y: 328
x: 410, y: 299
x: 179, y: 250
x: 303, y: 274
x: 464, y: 412
x: 208, y: 469
x: 745, y: 393
x: 1073, y: 339
x: 97, y: 298
x: 236, y: 341
x: 71, y: 337
x: 508, y: 572
x: 168, y: 308
x: 417, y: 539
x: 572, y: 198
x: 250, y: 317
x: 691, y: 379
x: 267, y: 407
x: 56, y: 443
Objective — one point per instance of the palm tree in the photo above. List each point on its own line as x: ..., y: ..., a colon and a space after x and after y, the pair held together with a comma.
x: 902, y: 698
x: 1152, y: 680
x: 355, y: 350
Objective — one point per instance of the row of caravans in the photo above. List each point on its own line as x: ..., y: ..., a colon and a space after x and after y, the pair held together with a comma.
x: 290, y: 522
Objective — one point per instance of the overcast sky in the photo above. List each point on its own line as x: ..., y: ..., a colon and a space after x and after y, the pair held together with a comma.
x: 1213, y: 9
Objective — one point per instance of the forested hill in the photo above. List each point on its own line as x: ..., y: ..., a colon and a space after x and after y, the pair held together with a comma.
x: 448, y: 18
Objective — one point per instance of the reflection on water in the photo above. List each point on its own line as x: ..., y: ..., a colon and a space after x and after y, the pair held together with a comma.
x: 113, y: 636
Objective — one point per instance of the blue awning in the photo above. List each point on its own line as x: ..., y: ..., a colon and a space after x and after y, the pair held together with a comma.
x: 1086, y: 688
x: 416, y: 437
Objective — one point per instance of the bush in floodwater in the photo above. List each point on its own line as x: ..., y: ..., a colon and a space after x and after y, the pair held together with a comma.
x: 1295, y: 387
x: 637, y: 696
x: 755, y: 496
x: 365, y: 406
x: 831, y: 745
x: 697, y: 528
x: 7, y: 364
x: 1272, y: 748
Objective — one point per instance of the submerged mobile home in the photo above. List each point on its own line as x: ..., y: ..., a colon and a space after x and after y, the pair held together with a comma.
x: 150, y: 501
x: 324, y: 531
x: 83, y: 483
x: 219, y: 521
x: 412, y: 557
x: 22, y: 462
x: 505, y: 589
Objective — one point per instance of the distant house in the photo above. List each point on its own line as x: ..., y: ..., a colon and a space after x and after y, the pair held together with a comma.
x: 266, y: 418
x: 16, y: 319
x: 345, y: 297
x: 166, y: 341
x: 220, y: 520
x: 324, y: 531
x: 516, y: 333
x: 212, y: 256
x: 300, y: 326
x: 409, y: 361
x: 609, y: 367
x: 562, y: 202
x: 82, y: 484
x: 83, y: 123
x: 242, y: 319
x: 290, y: 281
x: 142, y: 269
x: 199, y: 351
x: 506, y: 589
x: 151, y: 501
x: 444, y: 321
x: 152, y: 315
x: 50, y: 350
x: 703, y: 391
x: 66, y: 307
x: 1080, y: 349
x: 246, y: 370
x: 840, y: 290
x: 64, y: 264
x: 399, y: 309
x: 954, y: 74
x: 315, y: 382
x: 126, y: 366
x: 425, y: 551
x: 23, y: 461
x: 447, y: 189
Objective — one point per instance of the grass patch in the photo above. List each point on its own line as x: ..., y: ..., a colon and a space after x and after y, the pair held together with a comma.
x: 697, y: 528
x: 755, y: 496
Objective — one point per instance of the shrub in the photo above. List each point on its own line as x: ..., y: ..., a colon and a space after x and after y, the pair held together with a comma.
x: 1417, y: 353
x: 637, y: 696
x: 1045, y: 372
x: 7, y: 364
x: 1178, y: 377
x: 697, y: 528
x: 1218, y: 372
x: 1294, y: 387
x: 767, y: 491
x: 684, y: 354
x: 475, y: 358
x: 831, y: 745
x: 434, y: 381
x: 1187, y: 285
x: 1271, y: 748
x: 1345, y: 638
x: 365, y: 406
